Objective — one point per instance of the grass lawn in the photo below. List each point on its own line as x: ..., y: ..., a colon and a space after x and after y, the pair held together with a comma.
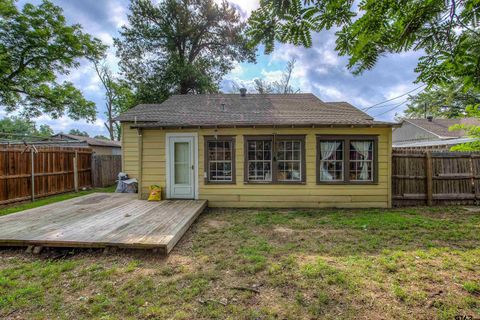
x: 420, y: 263
x: 43, y: 201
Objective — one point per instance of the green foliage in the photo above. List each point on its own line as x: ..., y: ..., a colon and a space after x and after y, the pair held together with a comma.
x: 472, y: 131
x: 37, y: 46
x: 22, y: 127
x: 79, y: 132
x: 443, y: 101
x: 446, y: 31
x: 180, y: 46
x: 101, y: 137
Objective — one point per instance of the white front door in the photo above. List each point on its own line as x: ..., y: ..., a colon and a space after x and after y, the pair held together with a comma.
x: 181, y: 166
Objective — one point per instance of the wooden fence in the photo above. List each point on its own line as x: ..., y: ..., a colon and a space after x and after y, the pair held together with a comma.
x: 105, y: 169
x: 29, y: 173
x: 433, y: 178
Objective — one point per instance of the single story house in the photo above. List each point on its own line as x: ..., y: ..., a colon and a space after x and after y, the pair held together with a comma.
x: 259, y: 150
x: 99, y: 146
x: 430, y: 133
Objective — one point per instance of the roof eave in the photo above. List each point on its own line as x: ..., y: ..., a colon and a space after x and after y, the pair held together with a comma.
x: 312, y: 125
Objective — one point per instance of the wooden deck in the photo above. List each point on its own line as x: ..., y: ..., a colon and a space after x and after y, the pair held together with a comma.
x: 102, y: 220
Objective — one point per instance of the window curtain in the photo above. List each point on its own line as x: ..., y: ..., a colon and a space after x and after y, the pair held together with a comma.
x: 363, y: 147
x: 327, y: 148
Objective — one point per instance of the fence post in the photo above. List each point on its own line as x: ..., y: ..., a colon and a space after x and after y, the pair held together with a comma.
x: 75, y: 171
x: 429, y: 177
x: 93, y: 166
x: 473, y: 179
x: 32, y: 160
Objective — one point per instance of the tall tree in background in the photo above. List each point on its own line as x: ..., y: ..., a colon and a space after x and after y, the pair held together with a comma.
x: 282, y: 86
x: 180, y: 46
x: 442, y: 101
x: 445, y: 30
x: 78, y: 132
x: 37, y: 46
x: 118, y: 98
x: 16, y: 127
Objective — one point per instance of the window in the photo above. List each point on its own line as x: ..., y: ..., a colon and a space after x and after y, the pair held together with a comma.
x: 289, y: 160
x: 361, y: 160
x: 275, y: 159
x: 346, y: 159
x: 220, y: 159
x: 331, y: 160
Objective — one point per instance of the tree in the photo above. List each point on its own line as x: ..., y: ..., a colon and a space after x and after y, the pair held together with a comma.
x: 102, y: 137
x: 36, y: 47
x: 283, y: 86
x: 118, y: 98
x: 78, y: 132
x: 471, y: 131
x: 16, y: 127
x: 445, y: 30
x: 180, y: 46
x: 442, y: 101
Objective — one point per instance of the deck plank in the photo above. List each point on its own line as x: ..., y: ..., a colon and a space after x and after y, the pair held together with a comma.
x: 100, y: 220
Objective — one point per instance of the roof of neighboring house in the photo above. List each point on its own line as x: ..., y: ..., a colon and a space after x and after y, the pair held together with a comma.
x: 91, y: 141
x: 253, y: 109
x: 440, y: 127
x: 432, y: 143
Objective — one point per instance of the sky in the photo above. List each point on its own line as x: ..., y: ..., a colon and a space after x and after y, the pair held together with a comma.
x: 319, y: 69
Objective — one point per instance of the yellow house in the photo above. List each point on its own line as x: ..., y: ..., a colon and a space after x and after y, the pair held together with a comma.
x: 252, y: 150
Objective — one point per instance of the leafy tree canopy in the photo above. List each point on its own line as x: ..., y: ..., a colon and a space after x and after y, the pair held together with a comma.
x: 442, y: 101
x: 36, y: 47
x: 180, y: 46
x: 15, y: 127
x: 79, y: 132
x: 101, y: 137
x: 445, y: 30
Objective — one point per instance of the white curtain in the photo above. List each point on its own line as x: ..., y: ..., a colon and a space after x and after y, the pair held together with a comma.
x: 327, y: 148
x: 363, y: 147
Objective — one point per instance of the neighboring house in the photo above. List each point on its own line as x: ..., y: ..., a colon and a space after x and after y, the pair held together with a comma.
x: 430, y: 133
x: 99, y: 146
x: 252, y: 150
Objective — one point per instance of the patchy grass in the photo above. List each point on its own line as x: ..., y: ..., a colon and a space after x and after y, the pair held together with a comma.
x: 421, y: 263
x: 44, y: 201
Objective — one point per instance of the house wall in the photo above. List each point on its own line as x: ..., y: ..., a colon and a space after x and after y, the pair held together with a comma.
x: 266, y: 195
x: 410, y: 132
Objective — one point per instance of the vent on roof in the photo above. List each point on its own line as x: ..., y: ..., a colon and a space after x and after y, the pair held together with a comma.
x: 243, y: 92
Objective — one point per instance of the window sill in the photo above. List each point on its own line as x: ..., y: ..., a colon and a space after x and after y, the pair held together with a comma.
x: 219, y: 182
x: 276, y: 183
x: 350, y: 183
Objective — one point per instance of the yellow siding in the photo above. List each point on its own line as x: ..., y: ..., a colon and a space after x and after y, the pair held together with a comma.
x: 268, y: 195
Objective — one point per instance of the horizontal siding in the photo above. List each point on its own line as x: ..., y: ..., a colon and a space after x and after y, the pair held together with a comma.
x: 257, y: 195
x: 130, y: 151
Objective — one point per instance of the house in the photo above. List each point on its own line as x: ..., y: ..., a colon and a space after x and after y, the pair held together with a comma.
x: 431, y: 133
x: 252, y: 150
x: 99, y: 146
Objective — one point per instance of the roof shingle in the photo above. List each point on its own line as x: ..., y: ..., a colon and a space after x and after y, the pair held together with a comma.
x: 440, y: 127
x: 253, y: 109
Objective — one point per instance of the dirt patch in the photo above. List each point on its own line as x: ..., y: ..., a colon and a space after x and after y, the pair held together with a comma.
x: 216, y: 224
x: 283, y: 230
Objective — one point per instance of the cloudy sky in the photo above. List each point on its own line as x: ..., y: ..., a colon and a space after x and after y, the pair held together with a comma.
x: 318, y: 69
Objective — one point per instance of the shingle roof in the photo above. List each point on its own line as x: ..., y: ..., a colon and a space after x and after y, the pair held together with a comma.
x: 252, y: 109
x: 440, y: 127
x: 92, y: 141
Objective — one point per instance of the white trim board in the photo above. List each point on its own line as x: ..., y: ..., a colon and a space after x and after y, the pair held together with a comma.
x: 168, y: 135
